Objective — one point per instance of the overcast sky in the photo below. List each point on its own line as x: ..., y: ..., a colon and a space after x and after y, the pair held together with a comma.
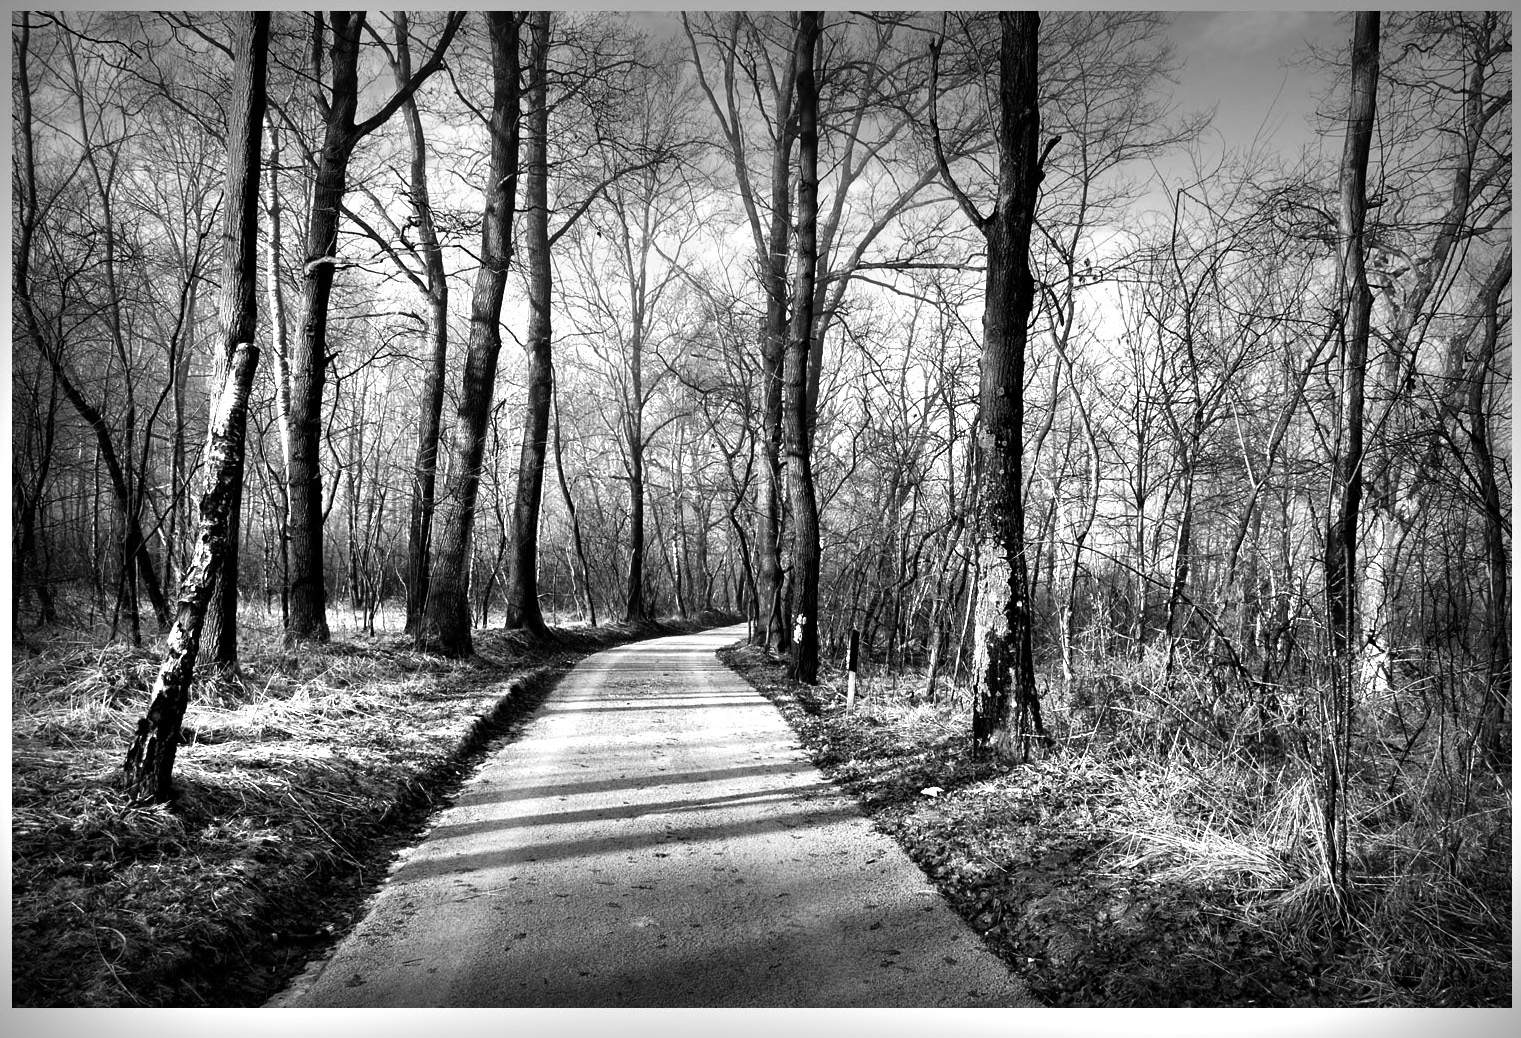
x: 1240, y: 61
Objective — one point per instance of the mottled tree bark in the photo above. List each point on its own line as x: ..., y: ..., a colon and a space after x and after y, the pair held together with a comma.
x: 804, y: 663
x: 1005, y: 703
x: 150, y: 758
x: 773, y: 631
x: 445, y: 626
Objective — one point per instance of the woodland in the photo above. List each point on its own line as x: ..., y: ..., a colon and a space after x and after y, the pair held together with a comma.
x: 358, y: 351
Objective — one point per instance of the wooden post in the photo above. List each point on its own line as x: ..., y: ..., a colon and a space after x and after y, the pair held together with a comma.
x: 852, y: 663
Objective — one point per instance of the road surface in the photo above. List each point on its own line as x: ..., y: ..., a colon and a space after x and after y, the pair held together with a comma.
x: 656, y: 837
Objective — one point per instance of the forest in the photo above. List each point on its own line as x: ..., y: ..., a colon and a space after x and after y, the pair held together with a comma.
x: 955, y: 335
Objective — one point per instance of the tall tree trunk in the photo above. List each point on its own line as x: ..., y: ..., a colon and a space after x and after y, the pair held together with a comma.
x: 523, y: 563
x: 804, y: 665
x: 1005, y: 701
x: 773, y: 631
x: 310, y: 358
x: 149, y: 763
x: 431, y: 397
x: 1347, y: 465
x: 445, y: 625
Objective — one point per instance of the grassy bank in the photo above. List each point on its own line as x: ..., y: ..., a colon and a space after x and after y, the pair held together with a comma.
x: 1109, y: 874
x: 296, y: 786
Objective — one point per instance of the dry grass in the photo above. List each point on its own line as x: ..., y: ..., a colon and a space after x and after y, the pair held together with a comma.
x: 1168, y: 853
x: 295, y: 782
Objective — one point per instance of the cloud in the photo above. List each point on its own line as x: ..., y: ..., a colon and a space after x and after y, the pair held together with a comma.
x: 1252, y: 30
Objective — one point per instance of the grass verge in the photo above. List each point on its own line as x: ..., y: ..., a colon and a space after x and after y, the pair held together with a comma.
x: 1116, y: 878
x: 297, y: 784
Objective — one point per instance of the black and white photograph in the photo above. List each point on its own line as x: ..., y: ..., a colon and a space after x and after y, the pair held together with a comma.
x: 728, y: 509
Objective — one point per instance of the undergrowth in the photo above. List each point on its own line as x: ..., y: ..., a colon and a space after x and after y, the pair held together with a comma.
x: 1165, y: 854
x: 295, y: 784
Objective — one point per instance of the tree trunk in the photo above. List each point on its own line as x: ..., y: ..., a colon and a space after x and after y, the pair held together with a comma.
x: 523, y: 564
x: 310, y: 358
x: 1005, y: 703
x: 221, y: 634
x: 773, y: 631
x: 431, y: 397
x: 1347, y: 465
x: 570, y: 508
x: 445, y: 626
x: 1491, y: 726
x: 804, y: 665
x: 635, y: 608
x: 150, y: 758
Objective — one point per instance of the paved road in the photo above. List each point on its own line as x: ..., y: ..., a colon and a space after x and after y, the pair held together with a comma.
x: 656, y: 837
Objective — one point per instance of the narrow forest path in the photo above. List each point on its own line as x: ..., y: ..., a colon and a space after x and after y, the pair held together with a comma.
x: 656, y: 837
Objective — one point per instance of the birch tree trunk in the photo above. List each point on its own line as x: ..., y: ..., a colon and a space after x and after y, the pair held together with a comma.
x: 150, y: 757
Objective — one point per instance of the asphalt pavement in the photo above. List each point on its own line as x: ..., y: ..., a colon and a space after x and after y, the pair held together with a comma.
x: 656, y: 837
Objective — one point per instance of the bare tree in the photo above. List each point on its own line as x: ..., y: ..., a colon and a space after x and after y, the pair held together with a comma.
x: 150, y: 758
x: 523, y: 563
x: 1348, y: 457
x: 804, y: 664
x: 310, y: 356
x: 445, y: 626
x: 1006, y: 703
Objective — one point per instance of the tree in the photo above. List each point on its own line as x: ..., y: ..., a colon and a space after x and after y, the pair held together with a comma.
x: 445, y: 626
x: 1348, y: 454
x: 523, y: 563
x: 771, y: 249
x: 150, y: 758
x: 310, y: 357
x: 1006, y: 704
x: 804, y: 664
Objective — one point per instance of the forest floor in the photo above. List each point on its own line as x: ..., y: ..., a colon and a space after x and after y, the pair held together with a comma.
x: 1121, y: 880
x: 296, y: 786
x: 1102, y: 878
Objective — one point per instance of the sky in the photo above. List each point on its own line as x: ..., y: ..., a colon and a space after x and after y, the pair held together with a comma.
x: 1239, y: 60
